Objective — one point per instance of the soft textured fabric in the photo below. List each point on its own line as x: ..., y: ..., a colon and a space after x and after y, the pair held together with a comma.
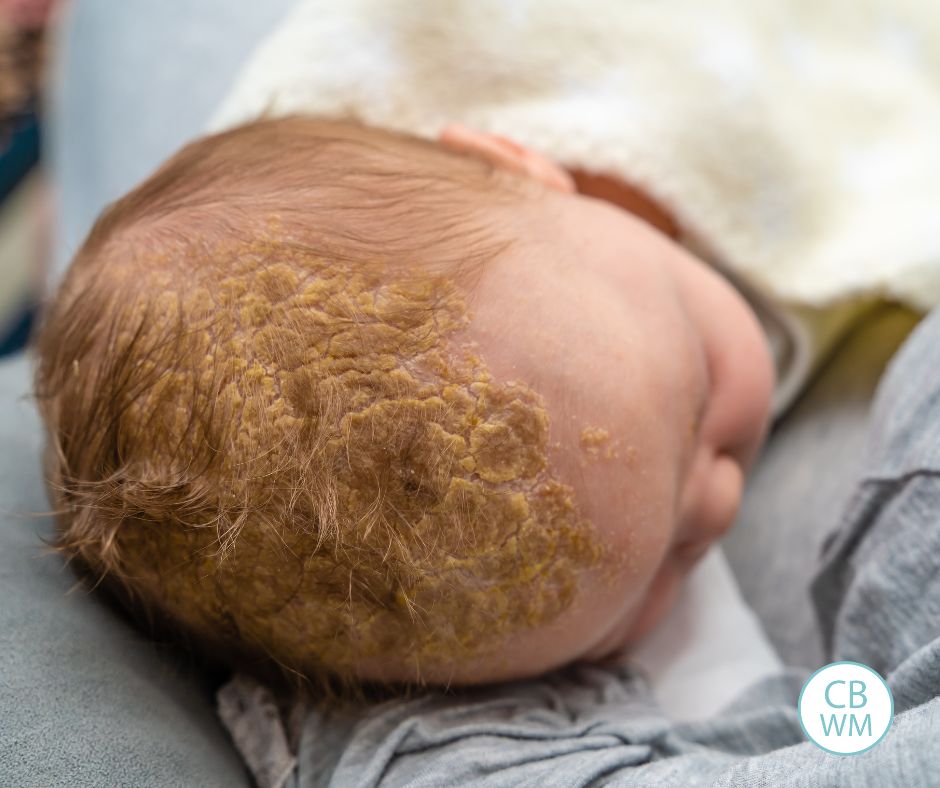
x: 798, y: 489
x: 84, y: 700
x: 252, y: 716
x: 877, y: 597
x: 707, y: 647
x: 795, y: 143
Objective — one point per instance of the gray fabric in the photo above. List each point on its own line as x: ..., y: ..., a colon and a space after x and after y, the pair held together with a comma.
x: 876, y: 591
x: 879, y: 592
x: 249, y: 711
x: 591, y: 727
x: 813, y: 456
x: 84, y: 700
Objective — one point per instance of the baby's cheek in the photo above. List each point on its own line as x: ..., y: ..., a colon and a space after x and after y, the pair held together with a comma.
x: 715, y: 493
x: 659, y: 600
x: 721, y: 494
x: 641, y: 577
x: 616, y: 614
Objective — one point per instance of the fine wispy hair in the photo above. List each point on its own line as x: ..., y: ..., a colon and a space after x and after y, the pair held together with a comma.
x: 127, y: 341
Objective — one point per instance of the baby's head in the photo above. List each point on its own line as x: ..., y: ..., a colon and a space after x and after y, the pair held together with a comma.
x: 372, y: 407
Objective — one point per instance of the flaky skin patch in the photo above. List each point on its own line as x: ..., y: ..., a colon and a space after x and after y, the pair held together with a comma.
x: 351, y: 482
x: 596, y: 443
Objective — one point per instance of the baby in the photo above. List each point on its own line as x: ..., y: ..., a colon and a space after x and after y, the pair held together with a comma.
x: 373, y: 408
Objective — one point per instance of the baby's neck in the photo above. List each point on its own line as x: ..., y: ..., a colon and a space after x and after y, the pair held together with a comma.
x: 630, y: 198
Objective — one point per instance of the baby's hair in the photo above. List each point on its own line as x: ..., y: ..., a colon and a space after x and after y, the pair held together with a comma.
x: 264, y: 427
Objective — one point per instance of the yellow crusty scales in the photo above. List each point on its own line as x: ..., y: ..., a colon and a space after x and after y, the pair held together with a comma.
x: 352, y: 487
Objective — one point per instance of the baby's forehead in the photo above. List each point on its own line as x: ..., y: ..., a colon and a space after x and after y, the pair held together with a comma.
x: 348, y: 383
x: 294, y: 381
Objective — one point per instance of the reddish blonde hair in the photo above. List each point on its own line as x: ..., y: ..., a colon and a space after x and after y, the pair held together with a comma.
x: 186, y: 435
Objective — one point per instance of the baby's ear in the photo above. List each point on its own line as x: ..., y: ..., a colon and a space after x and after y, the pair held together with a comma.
x: 505, y: 153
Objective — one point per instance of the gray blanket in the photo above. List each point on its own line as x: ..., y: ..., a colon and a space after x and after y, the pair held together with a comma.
x: 876, y: 593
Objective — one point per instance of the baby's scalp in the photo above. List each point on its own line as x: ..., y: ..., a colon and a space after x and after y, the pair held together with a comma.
x: 294, y: 448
